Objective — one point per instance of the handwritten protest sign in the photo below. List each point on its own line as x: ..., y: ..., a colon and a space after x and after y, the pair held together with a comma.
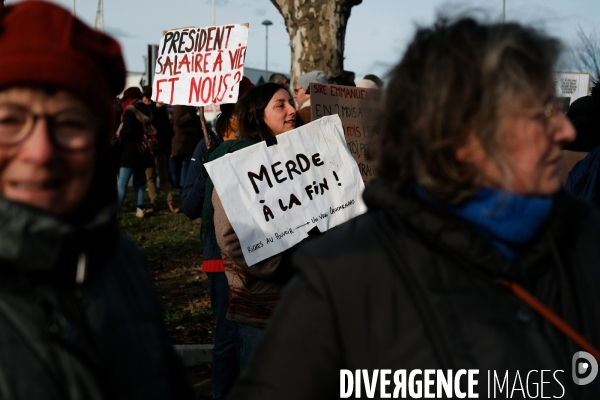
x: 200, y: 66
x: 570, y: 86
x: 356, y: 108
x: 274, y: 195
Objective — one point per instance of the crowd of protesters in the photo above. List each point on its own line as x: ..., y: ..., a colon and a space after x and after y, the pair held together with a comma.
x: 151, y: 142
x: 479, y: 249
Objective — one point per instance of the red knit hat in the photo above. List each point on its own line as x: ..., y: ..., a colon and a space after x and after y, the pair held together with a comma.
x: 43, y: 44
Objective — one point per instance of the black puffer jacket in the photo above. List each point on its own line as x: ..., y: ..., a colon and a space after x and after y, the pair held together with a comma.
x: 79, y: 318
x: 409, y: 286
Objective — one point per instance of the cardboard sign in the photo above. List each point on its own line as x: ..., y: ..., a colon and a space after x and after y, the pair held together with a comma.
x: 274, y: 195
x: 356, y: 108
x: 570, y: 86
x: 200, y: 66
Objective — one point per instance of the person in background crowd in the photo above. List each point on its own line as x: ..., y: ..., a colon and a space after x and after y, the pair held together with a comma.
x: 347, y: 78
x: 367, y: 84
x: 160, y: 120
x: 466, y: 226
x: 115, y: 139
x: 302, y: 93
x: 134, y: 158
x: 188, y: 133
x: 224, y: 369
x: 584, y: 178
x: 79, y: 318
x: 582, y: 113
x: 264, y: 112
x: 374, y: 78
x: 279, y: 78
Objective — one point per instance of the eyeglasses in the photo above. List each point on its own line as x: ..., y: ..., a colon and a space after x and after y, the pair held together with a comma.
x: 548, y: 113
x: 70, y: 130
x: 297, y: 89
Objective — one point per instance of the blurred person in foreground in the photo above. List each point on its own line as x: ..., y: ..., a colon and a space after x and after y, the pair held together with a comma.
x: 468, y: 213
x: 79, y: 318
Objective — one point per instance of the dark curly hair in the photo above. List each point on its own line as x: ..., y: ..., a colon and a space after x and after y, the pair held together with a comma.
x: 457, y: 79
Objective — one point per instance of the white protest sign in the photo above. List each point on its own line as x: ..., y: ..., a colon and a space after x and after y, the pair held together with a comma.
x: 200, y: 66
x: 570, y: 86
x: 274, y: 195
x: 357, y: 108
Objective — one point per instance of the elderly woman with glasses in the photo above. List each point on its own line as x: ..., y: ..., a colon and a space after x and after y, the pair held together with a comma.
x: 79, y: 318
x: 472, y: 272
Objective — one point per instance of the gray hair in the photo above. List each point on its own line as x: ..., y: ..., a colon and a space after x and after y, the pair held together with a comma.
x: 456, y: 79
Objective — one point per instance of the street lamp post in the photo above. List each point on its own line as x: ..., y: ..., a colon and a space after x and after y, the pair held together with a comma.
x: 266, y: 23
x: 214, y: 21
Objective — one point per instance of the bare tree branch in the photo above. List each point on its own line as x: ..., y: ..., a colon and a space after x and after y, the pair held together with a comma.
x: 586, y: 54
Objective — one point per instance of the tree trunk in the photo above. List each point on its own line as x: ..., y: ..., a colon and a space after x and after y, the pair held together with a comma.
x: 317, y: 30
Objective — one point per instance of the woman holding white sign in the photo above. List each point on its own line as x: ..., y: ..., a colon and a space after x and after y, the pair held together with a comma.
x: 472, y: 275
x: 263, y: 113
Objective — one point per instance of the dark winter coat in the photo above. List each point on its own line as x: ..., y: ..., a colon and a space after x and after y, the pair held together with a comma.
x: 131, y: 136
x: 410, y: 286
x: 79, y: 318
x: 192, y: 194
x: 160, y: 120
x: 188, y: 131
x: 584, y: 178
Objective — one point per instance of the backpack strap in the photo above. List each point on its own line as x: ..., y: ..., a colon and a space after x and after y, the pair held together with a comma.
x: 551, y: 317
x: 515, y: 288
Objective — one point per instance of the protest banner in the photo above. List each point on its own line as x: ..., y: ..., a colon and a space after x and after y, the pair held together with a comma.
x: 356, y: 108
x: 273, y: 195
x: 200, y: 66
x: 570, y: 86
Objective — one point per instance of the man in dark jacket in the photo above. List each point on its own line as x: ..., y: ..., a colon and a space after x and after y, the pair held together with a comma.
x: 472, y: 275
x: 79, y: 318
x: 583, y: 180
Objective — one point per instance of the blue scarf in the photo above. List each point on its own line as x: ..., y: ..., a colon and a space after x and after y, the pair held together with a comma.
x: 504, y: 218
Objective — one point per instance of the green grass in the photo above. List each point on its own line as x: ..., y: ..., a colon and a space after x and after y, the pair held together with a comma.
x: 163, y: 235
x: 182, y: 315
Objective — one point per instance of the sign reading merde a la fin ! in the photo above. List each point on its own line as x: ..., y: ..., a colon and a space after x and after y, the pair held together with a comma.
x: 273, y: 195
x: 200, y: 66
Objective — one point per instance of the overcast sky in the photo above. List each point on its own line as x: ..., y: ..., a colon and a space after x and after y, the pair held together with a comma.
x: 377, y: 32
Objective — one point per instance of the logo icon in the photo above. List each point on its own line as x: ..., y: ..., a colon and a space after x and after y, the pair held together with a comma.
x: 584, y: 367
